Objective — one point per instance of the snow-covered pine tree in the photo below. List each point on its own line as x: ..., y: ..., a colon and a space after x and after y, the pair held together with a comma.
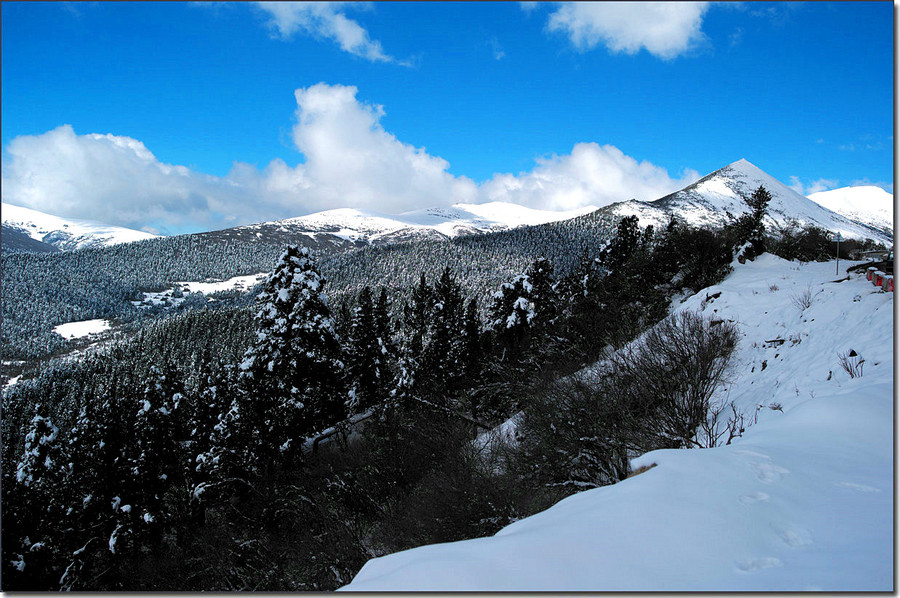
x: 291, y: 377
x: 511, y: 315
x: 442, y: 359
x: 384, y: 329
x: 543, y: 294
x: 416, y: 317
x: 157, y: 458
x: 34, y: 506
x: 367, y: 359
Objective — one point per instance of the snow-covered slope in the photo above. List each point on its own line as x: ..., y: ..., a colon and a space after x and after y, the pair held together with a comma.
x: 66, y: 233
x: 719, y: 196
x: 803, y: 501
x: 373, y: 227
x: 866, y: 204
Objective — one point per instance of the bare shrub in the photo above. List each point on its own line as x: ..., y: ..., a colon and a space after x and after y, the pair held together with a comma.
x: 803, y: 300
x: 582, y: 431
x: 721, y: 428
x: 574, y: 436
x: 852, y: 362
x: 668, y: 378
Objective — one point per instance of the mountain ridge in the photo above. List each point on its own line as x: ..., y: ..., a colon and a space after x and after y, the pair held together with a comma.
x: 64, y: 233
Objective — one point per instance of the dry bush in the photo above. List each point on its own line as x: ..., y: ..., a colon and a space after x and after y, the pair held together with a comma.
x: 670, y: 376
x: 582, y: 431
x: 803, y: 300
x: 852, y: 362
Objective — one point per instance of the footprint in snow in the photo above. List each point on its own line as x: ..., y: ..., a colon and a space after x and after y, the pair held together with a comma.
x: 792, y: 535
x: 766, y: 562
x: 749, y: 499
x: 768, y: 472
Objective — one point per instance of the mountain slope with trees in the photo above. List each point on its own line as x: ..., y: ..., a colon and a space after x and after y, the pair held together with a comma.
x: 800, y: 502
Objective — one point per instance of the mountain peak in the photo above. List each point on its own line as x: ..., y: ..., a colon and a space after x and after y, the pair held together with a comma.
x: 720, y: 196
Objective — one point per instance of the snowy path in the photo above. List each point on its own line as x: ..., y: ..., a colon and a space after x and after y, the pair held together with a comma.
x: 804, y: 501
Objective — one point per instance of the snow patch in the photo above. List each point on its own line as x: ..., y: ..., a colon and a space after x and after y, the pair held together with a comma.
x: 82, y: 329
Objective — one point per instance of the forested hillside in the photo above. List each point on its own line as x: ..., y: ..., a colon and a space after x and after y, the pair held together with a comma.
x: 222, y: 414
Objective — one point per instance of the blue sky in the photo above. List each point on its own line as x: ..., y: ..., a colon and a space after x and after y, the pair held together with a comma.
x: 188, y: 116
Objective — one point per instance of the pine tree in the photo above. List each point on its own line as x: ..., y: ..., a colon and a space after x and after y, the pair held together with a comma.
x: 156, y: 458
x: 383, y: 326
x: 442, y: 357
x: 543, y: 293
x: 753, y: 228
x: 34, y: 508
x: 291, y: 376
x: 367, y: 358
x: 511, y: 316
x: 416, y: 317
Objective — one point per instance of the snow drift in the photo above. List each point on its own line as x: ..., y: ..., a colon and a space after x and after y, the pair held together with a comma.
x: 803, y: 501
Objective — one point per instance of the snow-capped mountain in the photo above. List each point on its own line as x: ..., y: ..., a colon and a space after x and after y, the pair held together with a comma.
x: 66, y: 233
x: 372, y: 227
x: 803, y: 501
x: 866, y: 204
x: 719, y: 196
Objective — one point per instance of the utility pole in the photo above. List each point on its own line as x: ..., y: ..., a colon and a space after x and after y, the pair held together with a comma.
x: 837, y: 254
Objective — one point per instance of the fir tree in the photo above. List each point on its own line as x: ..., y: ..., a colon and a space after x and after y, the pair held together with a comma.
x: 442, y: 357
x: 367, y: 358
x: 753, y: 228
x: 291, y: 376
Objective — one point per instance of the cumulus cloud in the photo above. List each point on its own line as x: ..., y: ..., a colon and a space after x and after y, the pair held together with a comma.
x: 324, y: 20
x: 350, y: 160
x: 813, y: 187
x: 665, y: 29
x: 590, y: 175
x: 108, y: 178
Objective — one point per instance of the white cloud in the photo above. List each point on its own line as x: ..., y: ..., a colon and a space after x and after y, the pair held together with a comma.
x: 324, y: 20
x: 112, y: 179
x: 590, y: 175
x: 350, y: 161
x: 665, y: 29
x: 497, y: 49
x: 813, y: 187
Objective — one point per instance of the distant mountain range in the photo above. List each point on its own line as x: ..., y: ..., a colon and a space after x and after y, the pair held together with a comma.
x: 30, y: 230
x: 432, y: 223
x: 855, y: 212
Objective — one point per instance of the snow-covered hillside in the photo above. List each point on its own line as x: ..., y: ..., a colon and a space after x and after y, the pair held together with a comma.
x: 67, y: 233
x: 373, y: 227
x: 867, y: 204
x: 720, y: 195
x: 803, y: 501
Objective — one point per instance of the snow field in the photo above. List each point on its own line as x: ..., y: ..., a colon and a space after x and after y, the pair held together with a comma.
x: 803, y: 501
x: 167, y: 298
x: 81, y: 329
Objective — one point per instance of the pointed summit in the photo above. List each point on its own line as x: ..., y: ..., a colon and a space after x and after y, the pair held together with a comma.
x: 719, y: 198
